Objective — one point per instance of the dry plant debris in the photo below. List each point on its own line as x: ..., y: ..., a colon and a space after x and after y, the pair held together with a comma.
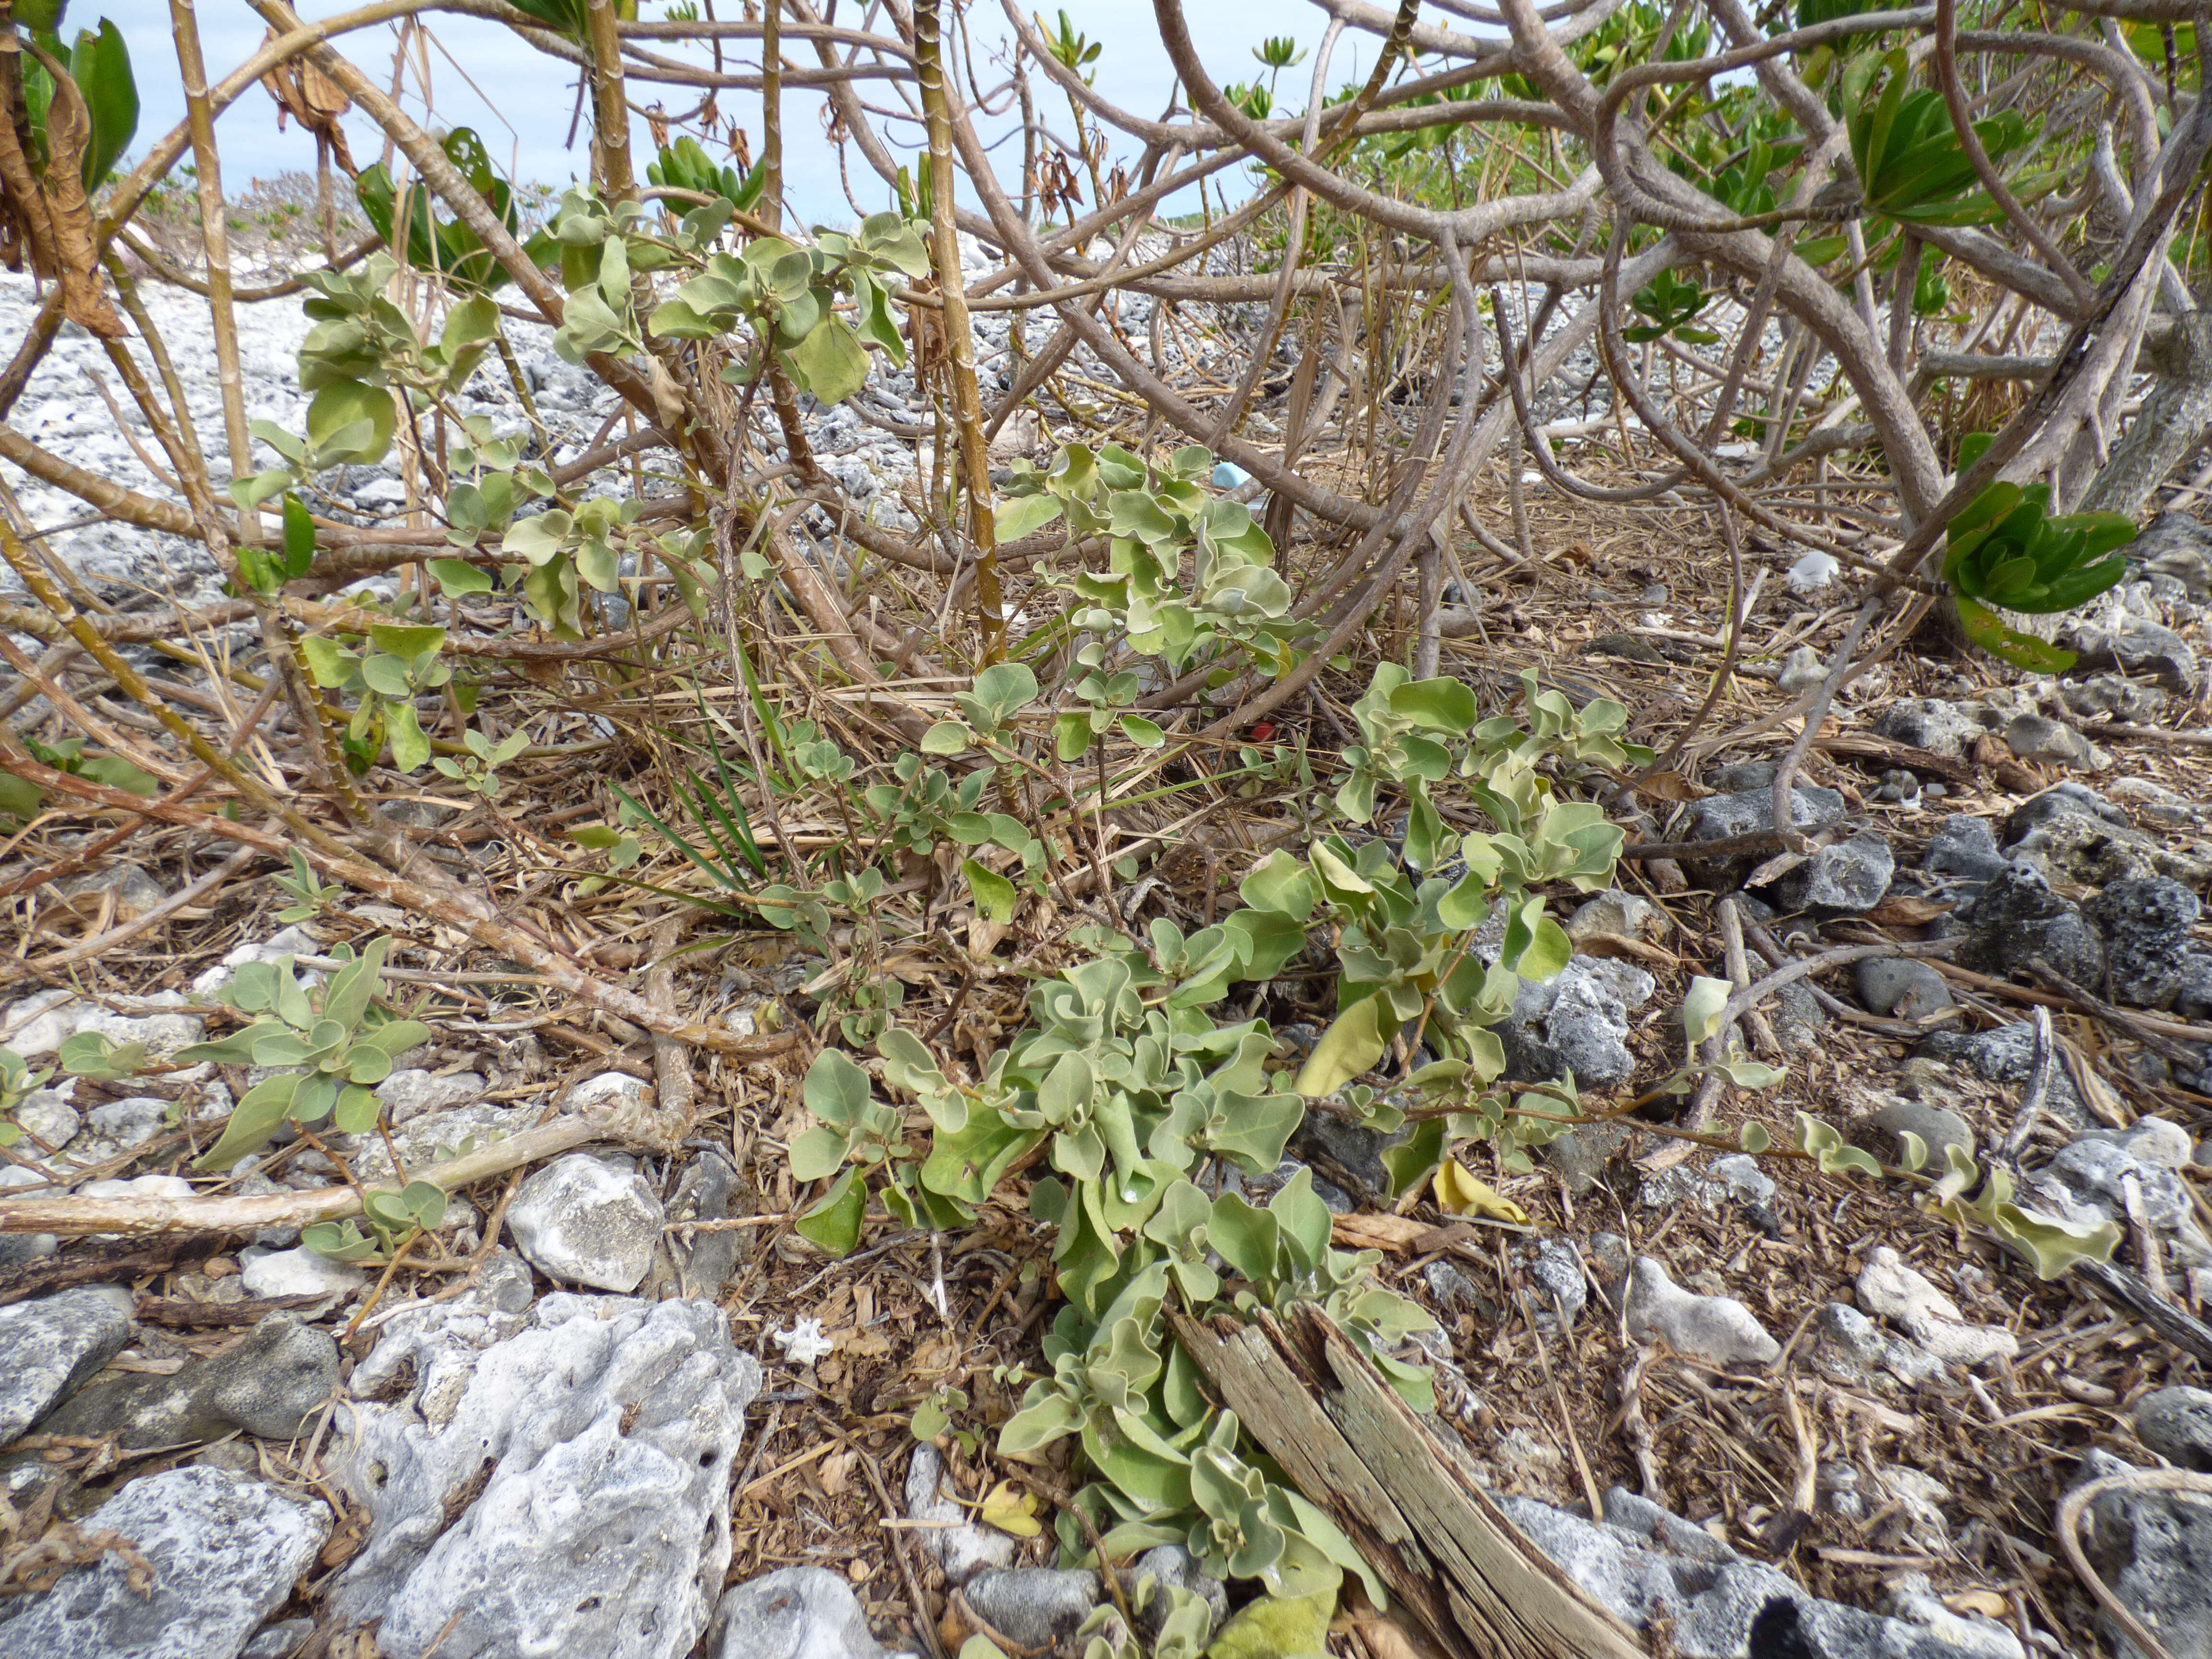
x: 687, y: 890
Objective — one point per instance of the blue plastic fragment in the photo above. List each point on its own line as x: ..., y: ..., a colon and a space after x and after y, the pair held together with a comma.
x: 1227, y: 475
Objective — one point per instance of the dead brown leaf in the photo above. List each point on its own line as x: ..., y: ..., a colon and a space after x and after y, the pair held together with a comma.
x: 1395, y: 1233
x: 1666, y: 786
x: 69, y: 130
x: 1623, y: 946
x: 1906, y: 910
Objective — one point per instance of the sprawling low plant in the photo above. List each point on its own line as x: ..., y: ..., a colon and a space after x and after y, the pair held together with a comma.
x: 18, y: 1082
x: 786, y: 297
x: 397, y: 663
x: 395, y: 1216
x: 330, y: 1046
x: 361, y: 350
x: 1231, y: 607
x: 1168, y: 1464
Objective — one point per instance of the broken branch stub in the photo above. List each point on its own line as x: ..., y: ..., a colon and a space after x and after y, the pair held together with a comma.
x: 621, y: 1119
x: 1353, y: 1448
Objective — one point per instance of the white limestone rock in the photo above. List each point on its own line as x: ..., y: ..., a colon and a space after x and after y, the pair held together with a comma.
x: 562, y: 1489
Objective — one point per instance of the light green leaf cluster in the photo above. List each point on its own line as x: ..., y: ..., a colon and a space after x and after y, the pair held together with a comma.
x: 787, y: 296
x: 361, y: 360
x: 1167, y: 1461
x: 309, y: 895
x: 1109, y: 695
x: 401, y: 661
x: 986, y: 709
x: 393, y: 1217
x: 1231, y: 605
x: 1182, y: 1621
x: 17, y: 1083
x: 2053, y: 1242
x: 1418, y: 733
x: 1406, y: 951
x: 490, y: 481
x: 332, y: 1044
x: 96, y: 1055
x: 478, y: 771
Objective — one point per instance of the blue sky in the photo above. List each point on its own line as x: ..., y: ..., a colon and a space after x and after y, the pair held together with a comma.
x: 527, y: 99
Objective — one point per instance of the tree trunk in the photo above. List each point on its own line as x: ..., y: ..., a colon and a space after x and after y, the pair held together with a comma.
x: 2174, y: 420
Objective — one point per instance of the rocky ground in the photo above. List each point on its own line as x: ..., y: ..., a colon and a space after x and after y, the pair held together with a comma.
x: 1754, y: 1409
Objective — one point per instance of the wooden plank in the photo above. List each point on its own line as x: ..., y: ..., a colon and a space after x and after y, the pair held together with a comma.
x: 1449, y: 1555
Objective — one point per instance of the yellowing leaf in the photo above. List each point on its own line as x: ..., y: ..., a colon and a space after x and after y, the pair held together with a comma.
x: 1348, y: 1047
x: 1277, y: 1627
x: 1458, y: 1192
x: 1002, y: 1509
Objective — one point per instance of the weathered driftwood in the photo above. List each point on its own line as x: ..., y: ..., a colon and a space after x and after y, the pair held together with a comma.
x: 71, y: 1217
x: 1454, y: 1559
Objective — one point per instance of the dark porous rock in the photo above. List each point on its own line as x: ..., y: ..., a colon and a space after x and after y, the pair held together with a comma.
x: 2150, y: 1548
x: 2179, y: 546
x: 2039, y: 737
x: 2005, y: 1054
x: 2176, y: 1423
x: 1797, y: 1016
x: 1261, y: 1189
x: 2136, y: 646
x: 1627, y: 647
x: 1851, y: 1349
x: 1349, y: 1154
x: 2192, y: 992
x: 2096, y: 854
x: 710, y: 1259
x: 1930, y: 723
x: 1577, y: 1022
x: 2112, y: 697
x: 1850, y: 875
x: 1717, y: 817
x: 267, y: 1384
x: 1582, y: 1156
x: 2060, y: 800
x: 1738, y: 776
x: 1901, y: 988
x: 1561, y: 1291
x: 1035, y: 1607
x: 2145, y: 924
x: 1965, y: 848
x: 2018, y: 918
